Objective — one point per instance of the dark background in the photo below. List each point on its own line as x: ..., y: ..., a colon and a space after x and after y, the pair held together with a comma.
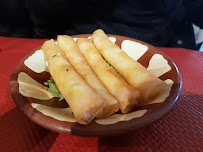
x: 159, y: 22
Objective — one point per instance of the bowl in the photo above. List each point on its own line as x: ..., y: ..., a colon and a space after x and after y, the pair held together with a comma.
x: 55, y: 115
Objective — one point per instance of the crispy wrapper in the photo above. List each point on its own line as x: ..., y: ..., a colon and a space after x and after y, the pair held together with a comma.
x: 76, y: 58
x: 134, y: 73
x: 126, y: 95
x: 84, y: 102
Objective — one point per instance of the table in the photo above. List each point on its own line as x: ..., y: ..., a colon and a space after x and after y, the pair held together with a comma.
x: 181, y: 129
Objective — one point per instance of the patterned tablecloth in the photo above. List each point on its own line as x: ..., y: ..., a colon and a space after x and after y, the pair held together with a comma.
x: 181, y: 129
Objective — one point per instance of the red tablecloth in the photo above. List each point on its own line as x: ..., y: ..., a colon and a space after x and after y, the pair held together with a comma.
x: 181, y: 129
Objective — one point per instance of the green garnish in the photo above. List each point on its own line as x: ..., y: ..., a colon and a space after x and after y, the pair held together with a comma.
x: 114, y: 69
x: 111, y: 66
x: 66, y: 69
x: 54, y: 88
x: 53, y: 55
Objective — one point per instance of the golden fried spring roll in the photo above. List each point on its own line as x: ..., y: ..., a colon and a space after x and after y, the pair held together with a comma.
x: 84, y: 102
x: 134, y: 73
x: 127, y: 96
x: 74, y: 55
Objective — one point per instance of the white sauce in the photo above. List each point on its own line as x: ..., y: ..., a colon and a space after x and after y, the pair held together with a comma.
x: 158, y: 65
x: 47, y: 63
x: 121, y: 117
x: 36, y: 62
x: 113, y: 39
x: 75, y: 39
x: 62, y: 114
x: 133, y: 49
x: 45, y: 83
x: 163, y: 94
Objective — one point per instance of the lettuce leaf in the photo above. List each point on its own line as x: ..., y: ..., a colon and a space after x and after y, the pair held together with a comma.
x: 114, y: 69
x: 53, y: 87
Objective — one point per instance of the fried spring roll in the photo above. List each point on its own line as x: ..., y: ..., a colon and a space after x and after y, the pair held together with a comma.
x: 84, y: 102
x: 127, y: 96
x: 74, y: 55
x: 134, y: 73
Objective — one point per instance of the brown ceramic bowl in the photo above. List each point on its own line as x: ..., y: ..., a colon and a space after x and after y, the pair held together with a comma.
x: 154, y: 111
